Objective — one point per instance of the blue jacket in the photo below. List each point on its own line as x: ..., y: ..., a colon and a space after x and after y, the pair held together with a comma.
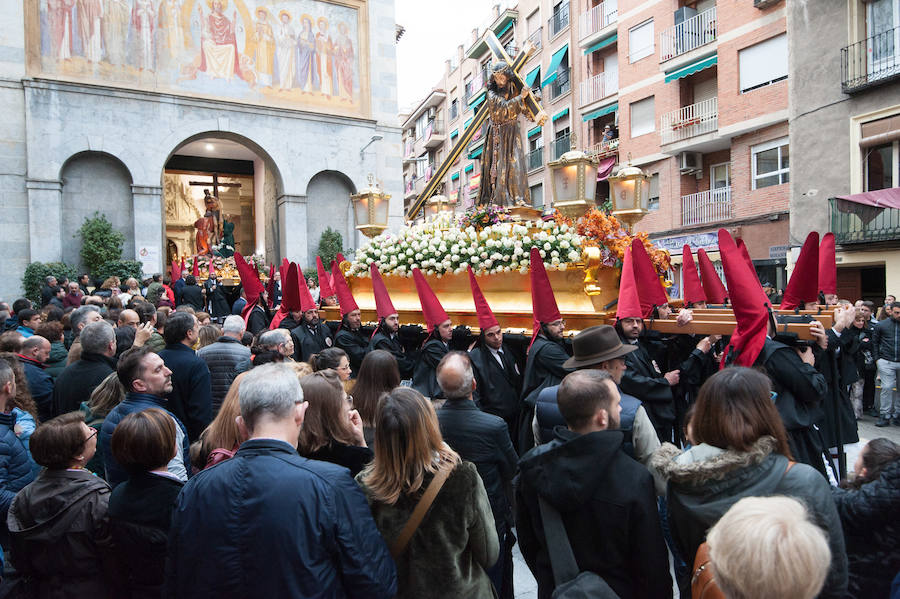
x: 191, y: 396
x: 16, y: 467
x: 269, y: 523
x: 134, y: 402
x: 40, y: 383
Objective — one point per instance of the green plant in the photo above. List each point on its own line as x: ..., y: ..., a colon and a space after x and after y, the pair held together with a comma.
x: 100, y: 243
x: 330, y: 243
x: 119, y: 268
x: 37, y: 272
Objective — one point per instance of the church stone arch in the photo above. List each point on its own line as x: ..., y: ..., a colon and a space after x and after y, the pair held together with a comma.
x: 328, y: 205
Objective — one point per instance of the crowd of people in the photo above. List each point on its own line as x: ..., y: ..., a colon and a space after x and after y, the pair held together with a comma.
x: 153, y: 444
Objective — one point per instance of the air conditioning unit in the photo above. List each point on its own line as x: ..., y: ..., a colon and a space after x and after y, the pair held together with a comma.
x: 691, y: 162
x: 684, y: 13
x: 431, y: 113
x: 764, y: 3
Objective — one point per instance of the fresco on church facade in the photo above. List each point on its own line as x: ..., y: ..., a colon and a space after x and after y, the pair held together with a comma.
x: 297, y: 53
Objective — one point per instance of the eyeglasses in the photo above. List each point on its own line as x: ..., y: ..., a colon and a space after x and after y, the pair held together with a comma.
x: 773, y: 395
x: 349, y: 399
x: 92, y: 435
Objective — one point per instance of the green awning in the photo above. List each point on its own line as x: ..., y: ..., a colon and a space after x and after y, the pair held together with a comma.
x: 477, y: 98
x: 470, y: 168
x: 600, y: 112
x: 602, y: 43
x: 530, y: 77
x: 504, y: 30
x: 477, y: 152
x: 691, y: 68
x: 467, y: 123
x: 553, y: 69
x: 533, y: 132
x: 454, y: 133
x: 454, y: 176
x: 560, y: 114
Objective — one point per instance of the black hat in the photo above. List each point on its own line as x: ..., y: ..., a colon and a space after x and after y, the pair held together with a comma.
x: 595, y: 345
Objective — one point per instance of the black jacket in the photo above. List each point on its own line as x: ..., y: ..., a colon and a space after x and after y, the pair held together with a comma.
x: 406, y: 362
x: 215, y: 297
x: 308, y: 342
x: 40, y: 384
x: 886, y: 340
x: 838, y: 366
x: 140, y: 513
x: 355, y: 344
x: 543, y: 368
x: 192, y: 295
x: 226, y: 358
x: 191, y: 396
x: 869, y: 519
x: 258, y: 320
x: 424, y: 378
x: 352, y: 457
x: 76, y: 383
x: 498, y: 389
x: 482, y: 439
x: 608, y: 506
x: 644, y: 379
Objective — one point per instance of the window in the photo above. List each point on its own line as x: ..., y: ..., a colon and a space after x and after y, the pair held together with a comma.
x: 879, y: 166
x: 454, y: 109
x: 535, y: 141
x: 770, y: 163
x: 643, y: 117
x: 421, y: 165
x: 533, y: 22
x: 537, y: 195
x: 654, y: 192
x: 883, y: 17
x: 764, y: 63
x: 421, y: 123
x: 640, y: 41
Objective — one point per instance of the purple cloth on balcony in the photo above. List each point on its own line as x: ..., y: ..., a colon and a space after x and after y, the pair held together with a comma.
x: 605, y: 168
x: 867, y: 206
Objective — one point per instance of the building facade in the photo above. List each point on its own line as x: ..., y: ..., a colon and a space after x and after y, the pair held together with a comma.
x: 694, y: 93
x: 845, y: 130
x: 133, y: 108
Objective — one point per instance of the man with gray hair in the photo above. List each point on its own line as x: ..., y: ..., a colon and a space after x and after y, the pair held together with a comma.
x: 482, y: 439
x: 34, y: 355
x: 226, y: 358
x: 80, y: 318
x: 76, y: 383
x: 304, y: 529
x: 278, y: 340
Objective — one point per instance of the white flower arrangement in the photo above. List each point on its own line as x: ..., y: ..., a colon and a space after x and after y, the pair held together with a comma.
x: 438, y: 247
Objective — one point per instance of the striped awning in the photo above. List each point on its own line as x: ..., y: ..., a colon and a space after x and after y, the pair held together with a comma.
x: 602, y: 43
x: 469, y: 168
x: 530, y: 77
x: 553, y: 69
x: 533, y: 132
x: 466, y: 124
x: 692, y: 68
x: 476, y: 153
x: 454, y: 176
x: 479, y: 100
x: 560, y: 114
x: 600, y: 112
x: 454, y: 133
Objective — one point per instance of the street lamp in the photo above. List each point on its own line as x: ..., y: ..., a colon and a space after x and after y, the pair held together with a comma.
x: 630, y: 194
x: 370, y: 206
x: 573, y: 179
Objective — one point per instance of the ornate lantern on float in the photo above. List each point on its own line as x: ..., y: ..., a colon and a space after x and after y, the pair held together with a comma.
x: 437, y: 204
x: 370, y: 207
x: 630, y: 191
x: 573, y: 178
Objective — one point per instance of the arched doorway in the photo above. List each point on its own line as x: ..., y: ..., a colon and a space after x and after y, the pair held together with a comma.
x: 328, y: 195
x: 219, y: 192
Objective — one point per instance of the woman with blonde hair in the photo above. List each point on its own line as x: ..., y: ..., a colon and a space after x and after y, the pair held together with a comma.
x: 106, y: 396
x: 221, y: 439
x: 208, y: 335
x: 448, y: 552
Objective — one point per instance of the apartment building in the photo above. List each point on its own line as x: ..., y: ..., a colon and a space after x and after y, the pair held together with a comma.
x: 693, y: 93
x: 845, y: 131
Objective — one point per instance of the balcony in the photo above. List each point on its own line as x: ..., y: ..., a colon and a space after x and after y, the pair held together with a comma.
x: 535, y: 40
x: 409, y: 189
x: 429, y: 172
x: 473, y: 87
x: 409, y: 150
x: 597, y: 19
x: 605, y: 149
x: 689, y: 121
x: 856, y: 223
x: 688, y: 35
x: 560, y: 86
x: 871, y: 62
x: 710, y: 206
x: 561, y: 145
x: 599, y: 86
x: 435, y: 134
x: 559, y: 21
x: 536, y: 158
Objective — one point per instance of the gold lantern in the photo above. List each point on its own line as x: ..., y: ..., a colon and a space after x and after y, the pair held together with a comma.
x: 370, y: 206
x: 573, y: 182
x: 437, y: 204
x: 630, y: 191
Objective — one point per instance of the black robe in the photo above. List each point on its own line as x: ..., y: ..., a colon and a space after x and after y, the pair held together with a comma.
x: 405, y: 362
x: 543, y: 368
x: 424, y: 376
x: 355, y: 344
x: 310, y: 341
x: 215, y: 297
x: 258, y: 321
x: 837, y: 364
x: 644, y: 379
x: 498, y: 389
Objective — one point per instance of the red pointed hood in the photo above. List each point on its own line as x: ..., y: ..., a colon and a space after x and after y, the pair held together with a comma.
x: 183, y: 267
x: 712, y: 284
x: 745, y: 254
x: 253, y: 287
x: 195, y: 269
x: 432, y: 309
x: 649, y: 287
x: 326, y: 289
x: 803, y: 287
x: 693, y: 291
x: 827, y: 265
x: 543, y: 302
x: 306, y: 298
x: 282, y: 270
x: 345, y: 298
x: 749, y: 302
x: 290, y: 289
x: 176, y: 271
x: 212, y: 267
x: 629, y: 304
x: 340, y: 258
x: 270, y: 286
x: 486, y: 318
x: 383, y: 305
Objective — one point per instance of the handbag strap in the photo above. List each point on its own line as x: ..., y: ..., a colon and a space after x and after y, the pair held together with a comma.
x: 562, y: 559
x: 419, y: 511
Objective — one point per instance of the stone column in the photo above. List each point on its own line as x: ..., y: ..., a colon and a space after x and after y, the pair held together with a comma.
x: 45, y: 221
x: 149, y: 227
x: 292, y: 230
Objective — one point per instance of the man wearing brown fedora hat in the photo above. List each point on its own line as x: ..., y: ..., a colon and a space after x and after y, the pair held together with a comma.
x: 600, y: 348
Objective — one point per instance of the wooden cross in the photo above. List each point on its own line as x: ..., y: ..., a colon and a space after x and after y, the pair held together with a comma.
x: 215, y: 184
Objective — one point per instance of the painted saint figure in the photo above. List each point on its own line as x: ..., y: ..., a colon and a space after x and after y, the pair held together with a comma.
x: 324, y: 55
x: 219, y: 56
x: 143, y: 20
x: 343, y: 60
x: 307, y: 74
x: 59, y: 16
x: 115, y: 30
x: 265, y: 47
x: 504, y: 176
x: 90, y: 14
x: 171, y: 33
x: 284, y: 50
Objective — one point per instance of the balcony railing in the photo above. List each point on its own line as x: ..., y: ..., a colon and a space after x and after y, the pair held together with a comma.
x: 559, y: 21
x: 410, y: 186
x: 599, y: 87
x: 604, y: 149
x: 536, y: 158
x: 409, y: 150
x: 560, y: 86
x: 592, y: 21
x: 429, y: 172
x: 862, y: 224
x: 689, y: 121
x: 873, y: 61
x: 688, y: 35
x: 535, y: 38
x: 561, y: 145
x: 474, y: 86
x: 708, y: 206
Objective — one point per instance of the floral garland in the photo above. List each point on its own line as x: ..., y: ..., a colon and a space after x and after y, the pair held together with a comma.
x: 480, y: 217
x: 226, y: 267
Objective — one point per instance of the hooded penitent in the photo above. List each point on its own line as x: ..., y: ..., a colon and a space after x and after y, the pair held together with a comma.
x: 827, y: 265
x: 212, y: 267
x: 345, y: 298
x: 176, y: 271
x: 270, y: 286
x: 712, y: 284
x: 693, y: 290
x: 745, y: 254
x: 749, y: 302
x: 486, y: 318
x: 306, y: 298
x: 290, y: 295
x: 195, y: 270
x: 543, y: 301
x: 432, y: 310
x: 629, y: 304
x: 253, y: 287
x: 803, y: 285
x: 326, y: 288
x: 383, y: 305
x: 649, y: 287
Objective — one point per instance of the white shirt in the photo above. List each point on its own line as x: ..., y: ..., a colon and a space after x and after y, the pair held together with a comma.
x: 497, y: 355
